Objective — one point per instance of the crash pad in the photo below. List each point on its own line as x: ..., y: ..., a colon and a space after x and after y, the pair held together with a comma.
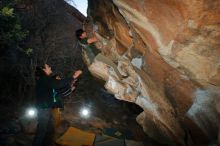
x: 76, y: 137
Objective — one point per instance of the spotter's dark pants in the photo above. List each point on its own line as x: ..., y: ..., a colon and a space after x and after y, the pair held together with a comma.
x: 45, y: 128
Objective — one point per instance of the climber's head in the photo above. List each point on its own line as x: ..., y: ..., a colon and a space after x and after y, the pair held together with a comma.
x: 80, y: 34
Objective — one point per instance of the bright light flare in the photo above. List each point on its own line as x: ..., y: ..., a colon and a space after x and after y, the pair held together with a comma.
x: 31, y: 112
x: 85, y: 112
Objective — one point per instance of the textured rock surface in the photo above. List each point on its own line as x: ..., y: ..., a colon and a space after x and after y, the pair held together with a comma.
x: 52, y: 26
x: 168, y: 52
x: 164, y: 58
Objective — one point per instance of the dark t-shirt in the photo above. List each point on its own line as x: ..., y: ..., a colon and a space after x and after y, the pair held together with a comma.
x: 90, y: 49
x: 45, y: 86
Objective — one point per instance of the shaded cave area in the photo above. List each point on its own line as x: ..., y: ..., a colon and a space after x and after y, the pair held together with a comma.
x: 107, y: 115
x: 51, y: 26
x: 154, y: 81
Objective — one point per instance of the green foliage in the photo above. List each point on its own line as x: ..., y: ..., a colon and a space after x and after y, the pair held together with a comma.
x: 11, y: 32
x: 28, y: 51
x: 6, y: 11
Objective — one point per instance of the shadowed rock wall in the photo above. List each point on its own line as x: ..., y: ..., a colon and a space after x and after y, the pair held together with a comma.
x: 168, y: 56
x: 52, y: 25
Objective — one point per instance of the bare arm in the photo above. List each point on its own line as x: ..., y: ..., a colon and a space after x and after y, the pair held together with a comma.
x: 77, y: 74
x: 92, y: 39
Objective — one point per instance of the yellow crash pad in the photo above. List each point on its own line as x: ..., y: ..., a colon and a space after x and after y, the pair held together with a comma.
x: 76, y: 137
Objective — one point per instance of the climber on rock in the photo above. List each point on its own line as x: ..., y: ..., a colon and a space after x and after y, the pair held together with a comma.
x: 88, y: 44
x: 83, y: 37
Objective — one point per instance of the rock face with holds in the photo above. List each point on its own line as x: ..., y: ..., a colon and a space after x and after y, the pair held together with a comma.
x: 167, y: 60
x: 52, y: 25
